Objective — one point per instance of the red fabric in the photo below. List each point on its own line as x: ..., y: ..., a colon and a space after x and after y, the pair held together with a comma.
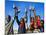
x: 32, y: 23
x: 21, y: 25
x: 38, y: 22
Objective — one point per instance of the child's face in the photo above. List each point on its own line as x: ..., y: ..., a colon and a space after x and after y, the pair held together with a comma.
x: 30, y: 23
x: 21, y: 22
x: 32, y: 19
x: 38, y: 17
x: 40, y: 24
x: 35, y: 25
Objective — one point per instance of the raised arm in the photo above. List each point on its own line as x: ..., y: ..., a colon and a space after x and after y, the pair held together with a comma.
x: 16, y: 18
x: 34, y: 11
x: 16, y: 10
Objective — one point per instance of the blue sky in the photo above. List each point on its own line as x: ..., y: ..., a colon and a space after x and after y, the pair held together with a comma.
x: 22, y: 5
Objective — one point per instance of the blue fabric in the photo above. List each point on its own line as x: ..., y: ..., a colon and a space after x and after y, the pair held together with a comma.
x: 41, y: 30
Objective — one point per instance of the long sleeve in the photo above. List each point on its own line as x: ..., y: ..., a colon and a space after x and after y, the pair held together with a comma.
x: 16, y: 17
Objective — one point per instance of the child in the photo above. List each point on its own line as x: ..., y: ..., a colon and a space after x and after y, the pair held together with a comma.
x: 32, y: 23
x: 22, y: 26
x: 36, y: 30
x: 36, y: 24
x: 22, y: 23
x: 38, y: 21
x: 42, y: 26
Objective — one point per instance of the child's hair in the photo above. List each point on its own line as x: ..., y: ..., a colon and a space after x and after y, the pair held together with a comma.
x: 9, y: 18
x: 38, y: 16
x: 22, y: 19
x: 31, y: 18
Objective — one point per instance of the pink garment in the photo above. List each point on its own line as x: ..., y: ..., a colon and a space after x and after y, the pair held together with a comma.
x: 21, y: 25
x: 38, y: 22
